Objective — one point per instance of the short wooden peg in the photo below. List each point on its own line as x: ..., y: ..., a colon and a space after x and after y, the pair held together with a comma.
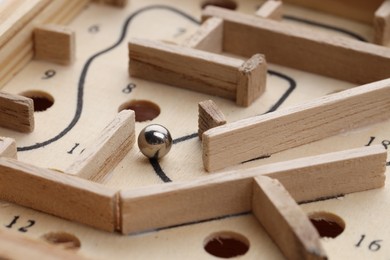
x: 54, y: 43
x: 209, y: 116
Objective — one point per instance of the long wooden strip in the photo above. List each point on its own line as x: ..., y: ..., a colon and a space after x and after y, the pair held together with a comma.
x: 107, y: 150
x: 231, y: 193
x: 301, y: 48
x: 360, y: 10
x: 8, y: 147
x: 382, y: 24
x: 59, y: 194
x: 185, y: 67
x: 16, y: 112
x: 19, y: 247
x: 198, y: 70
x: 274, y: 132
x: 284, y: 221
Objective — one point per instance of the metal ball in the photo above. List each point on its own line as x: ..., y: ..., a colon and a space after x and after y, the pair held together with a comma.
x: 154, y: 141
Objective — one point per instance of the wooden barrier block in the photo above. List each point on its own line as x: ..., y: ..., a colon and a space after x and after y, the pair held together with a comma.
x: 8, y: 147
x: 229, y: 193
x: 198, y: 70
x: 284, y: 221
x: 210, y: 116
x: 55, y: 43
x: 264, y: 135
x: 59, y: 194
x: 382, y: 24
x: 302, y: 48
x: 16, y: 112
x: 271, y: 9
x: 104, y: 153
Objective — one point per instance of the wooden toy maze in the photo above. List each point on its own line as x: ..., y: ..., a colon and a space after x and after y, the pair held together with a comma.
x: 278, y: 111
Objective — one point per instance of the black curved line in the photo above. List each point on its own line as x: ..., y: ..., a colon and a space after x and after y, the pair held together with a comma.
x: 159, y: 171
x: 291, y: 88
x: 185, y: 138
x: 325, y: 26
x: 84, y: 72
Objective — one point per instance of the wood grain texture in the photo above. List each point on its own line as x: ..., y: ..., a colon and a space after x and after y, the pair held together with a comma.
x: 104, y: 153
x: 16, y: 112
x: 8, y: 147
x: 252, y: 80
x: 264, y: 135
x: 231, y: 192
x: 271, y: 9
x: 18, y: 247
x: 197, y: 70
x: 209, y: 36
x: 382, y: 24
x: 285, y: 222
x: 360, y: 10
x: 59, y: 194
x: 307, y: 50
x: 55, y: 43
x: 209, y: 116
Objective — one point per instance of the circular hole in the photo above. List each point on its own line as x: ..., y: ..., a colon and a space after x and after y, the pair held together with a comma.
x: 42, y: 100
x: 63, y: 239
x: 144, y: 110
x: 327, y: 224
x: 228, y: 4
x: 226, y: 244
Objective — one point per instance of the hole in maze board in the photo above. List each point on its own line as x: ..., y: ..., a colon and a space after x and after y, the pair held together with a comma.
x: 327, y: 224
x: 226, y: 244
x: 42, y: 100
x: 144, y: 110
x: 62, y: 239
x: 228, y: 4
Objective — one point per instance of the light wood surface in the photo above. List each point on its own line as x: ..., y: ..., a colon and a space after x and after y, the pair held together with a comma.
x: 264, y: 135
x: 18, y: 50
x: 16, y: 112
x: 10, y: 248
x: 87, y: 96
x: 285, y: 221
